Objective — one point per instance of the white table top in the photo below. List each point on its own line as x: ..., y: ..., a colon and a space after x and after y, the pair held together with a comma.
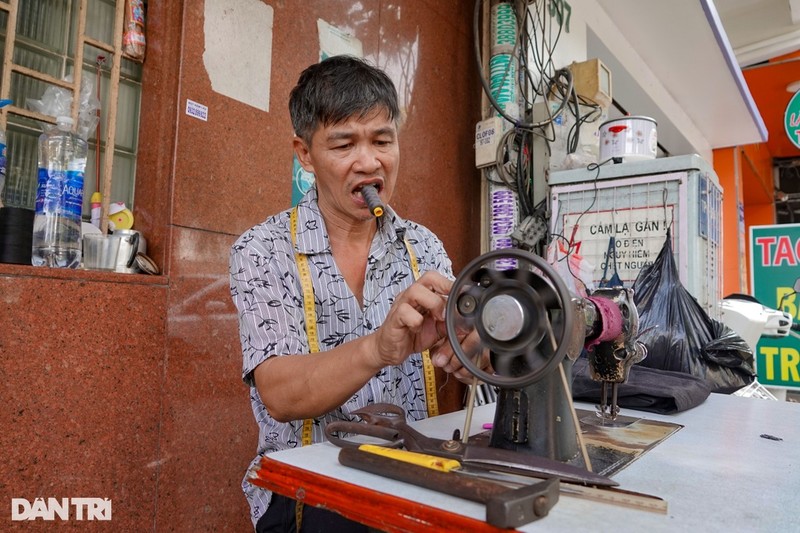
x: 717, y: 473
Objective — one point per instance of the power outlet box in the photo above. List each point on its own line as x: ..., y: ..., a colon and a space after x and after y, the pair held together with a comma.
x: 488, y: 134
x: 592, y: 80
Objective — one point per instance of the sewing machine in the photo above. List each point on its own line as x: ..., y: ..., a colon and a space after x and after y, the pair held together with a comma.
x: 534, y: 328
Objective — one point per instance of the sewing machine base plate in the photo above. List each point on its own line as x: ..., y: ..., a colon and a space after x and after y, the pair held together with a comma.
x: 612, y: 444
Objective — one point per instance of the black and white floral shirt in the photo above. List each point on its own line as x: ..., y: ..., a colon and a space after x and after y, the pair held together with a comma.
x: 266, y: 288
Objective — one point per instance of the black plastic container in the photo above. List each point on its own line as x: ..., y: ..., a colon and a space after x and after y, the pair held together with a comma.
x: 16, y: 232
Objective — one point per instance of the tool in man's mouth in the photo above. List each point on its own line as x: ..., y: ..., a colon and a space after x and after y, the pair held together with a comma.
x: 370, y: 194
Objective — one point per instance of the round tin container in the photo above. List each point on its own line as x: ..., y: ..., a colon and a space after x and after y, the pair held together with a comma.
x: 628, y: 138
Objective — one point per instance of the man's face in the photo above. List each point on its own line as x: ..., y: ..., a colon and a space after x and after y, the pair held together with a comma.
x: 345, y: 157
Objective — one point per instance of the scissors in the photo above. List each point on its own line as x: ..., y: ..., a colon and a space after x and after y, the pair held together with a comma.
x: 387, y: 422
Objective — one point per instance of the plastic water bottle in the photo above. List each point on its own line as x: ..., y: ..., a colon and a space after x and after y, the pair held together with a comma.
x: 59, y: 197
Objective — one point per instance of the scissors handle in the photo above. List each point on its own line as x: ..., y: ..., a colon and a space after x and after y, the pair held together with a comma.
x: 394, y: 417
x: 391, y: 436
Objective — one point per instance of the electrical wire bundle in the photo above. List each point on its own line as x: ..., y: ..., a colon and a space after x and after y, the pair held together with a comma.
x: 538, y: 81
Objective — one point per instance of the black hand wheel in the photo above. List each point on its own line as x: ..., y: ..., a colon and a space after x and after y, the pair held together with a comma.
x: 520, y: 308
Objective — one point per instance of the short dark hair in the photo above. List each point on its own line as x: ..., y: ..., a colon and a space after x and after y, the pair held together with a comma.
x: 337, y: 88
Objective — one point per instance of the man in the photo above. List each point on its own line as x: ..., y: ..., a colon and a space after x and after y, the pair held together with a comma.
x: 371, y: 318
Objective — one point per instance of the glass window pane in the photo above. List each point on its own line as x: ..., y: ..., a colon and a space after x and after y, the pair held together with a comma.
x: 24, y: 88
x: 3, y: 28
x: 100, y: 20
x: 127, y: 131
x: 122, y: 185
x: 128, y: 100
x: 130, y: 69
x: 21, y: 169
x: 44, y: 22
x: 38, y: 59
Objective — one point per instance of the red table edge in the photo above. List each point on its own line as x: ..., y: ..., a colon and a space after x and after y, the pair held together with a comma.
x: 372, y: 508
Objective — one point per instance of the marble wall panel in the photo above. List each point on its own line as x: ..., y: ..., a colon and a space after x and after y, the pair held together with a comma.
x: 235, y: 169
x: 81, y: 373
x: 438, y: 184
x: 208, y: 434
x: 158, y: 128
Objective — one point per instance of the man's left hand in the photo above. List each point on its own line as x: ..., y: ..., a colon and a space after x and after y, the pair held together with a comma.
x: 443, y: 356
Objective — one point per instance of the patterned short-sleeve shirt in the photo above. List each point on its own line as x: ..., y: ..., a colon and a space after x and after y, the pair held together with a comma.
x: 266, y: 289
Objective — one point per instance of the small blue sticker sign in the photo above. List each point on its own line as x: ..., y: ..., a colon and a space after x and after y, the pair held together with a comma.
x: 196, y: 110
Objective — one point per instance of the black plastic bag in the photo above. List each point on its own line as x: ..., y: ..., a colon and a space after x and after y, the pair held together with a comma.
x: 680, y: 336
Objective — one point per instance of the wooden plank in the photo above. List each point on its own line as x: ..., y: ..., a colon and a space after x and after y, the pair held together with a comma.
x: 41, y: 76
x: 35, y: 115
x: 98, y: 44
x: 8, y: 58
x: 375, y: 509
x: 77, y: 72
x: 111, y: 125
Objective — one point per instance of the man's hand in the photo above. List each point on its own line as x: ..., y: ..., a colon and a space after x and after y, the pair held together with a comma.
x: 415, y: 321
x: 444, y: 356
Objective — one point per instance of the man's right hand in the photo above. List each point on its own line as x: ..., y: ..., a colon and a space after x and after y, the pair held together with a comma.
x: 415, y: 321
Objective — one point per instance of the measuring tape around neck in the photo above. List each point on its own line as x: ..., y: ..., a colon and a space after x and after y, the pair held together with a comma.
x: 309, y: 309
x: 310, y: 312
x: 427, y: 366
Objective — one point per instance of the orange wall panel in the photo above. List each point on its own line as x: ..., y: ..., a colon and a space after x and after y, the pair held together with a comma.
x: 745, y: 173
x: 725, y: 165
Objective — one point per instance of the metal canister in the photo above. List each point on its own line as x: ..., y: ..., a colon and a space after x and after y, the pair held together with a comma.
x: 132, y: 243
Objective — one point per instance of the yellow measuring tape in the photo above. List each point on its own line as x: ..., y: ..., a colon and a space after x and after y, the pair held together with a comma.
x: 310, y: 312
x: 311, y: 332
x: 427, y: 365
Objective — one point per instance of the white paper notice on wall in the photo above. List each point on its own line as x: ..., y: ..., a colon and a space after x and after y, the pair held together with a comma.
x: 334, y: 41
x: 238, y: 49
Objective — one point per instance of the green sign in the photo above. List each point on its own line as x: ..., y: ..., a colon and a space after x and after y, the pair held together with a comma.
x: 774, y: 268
x: 791, y: 119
